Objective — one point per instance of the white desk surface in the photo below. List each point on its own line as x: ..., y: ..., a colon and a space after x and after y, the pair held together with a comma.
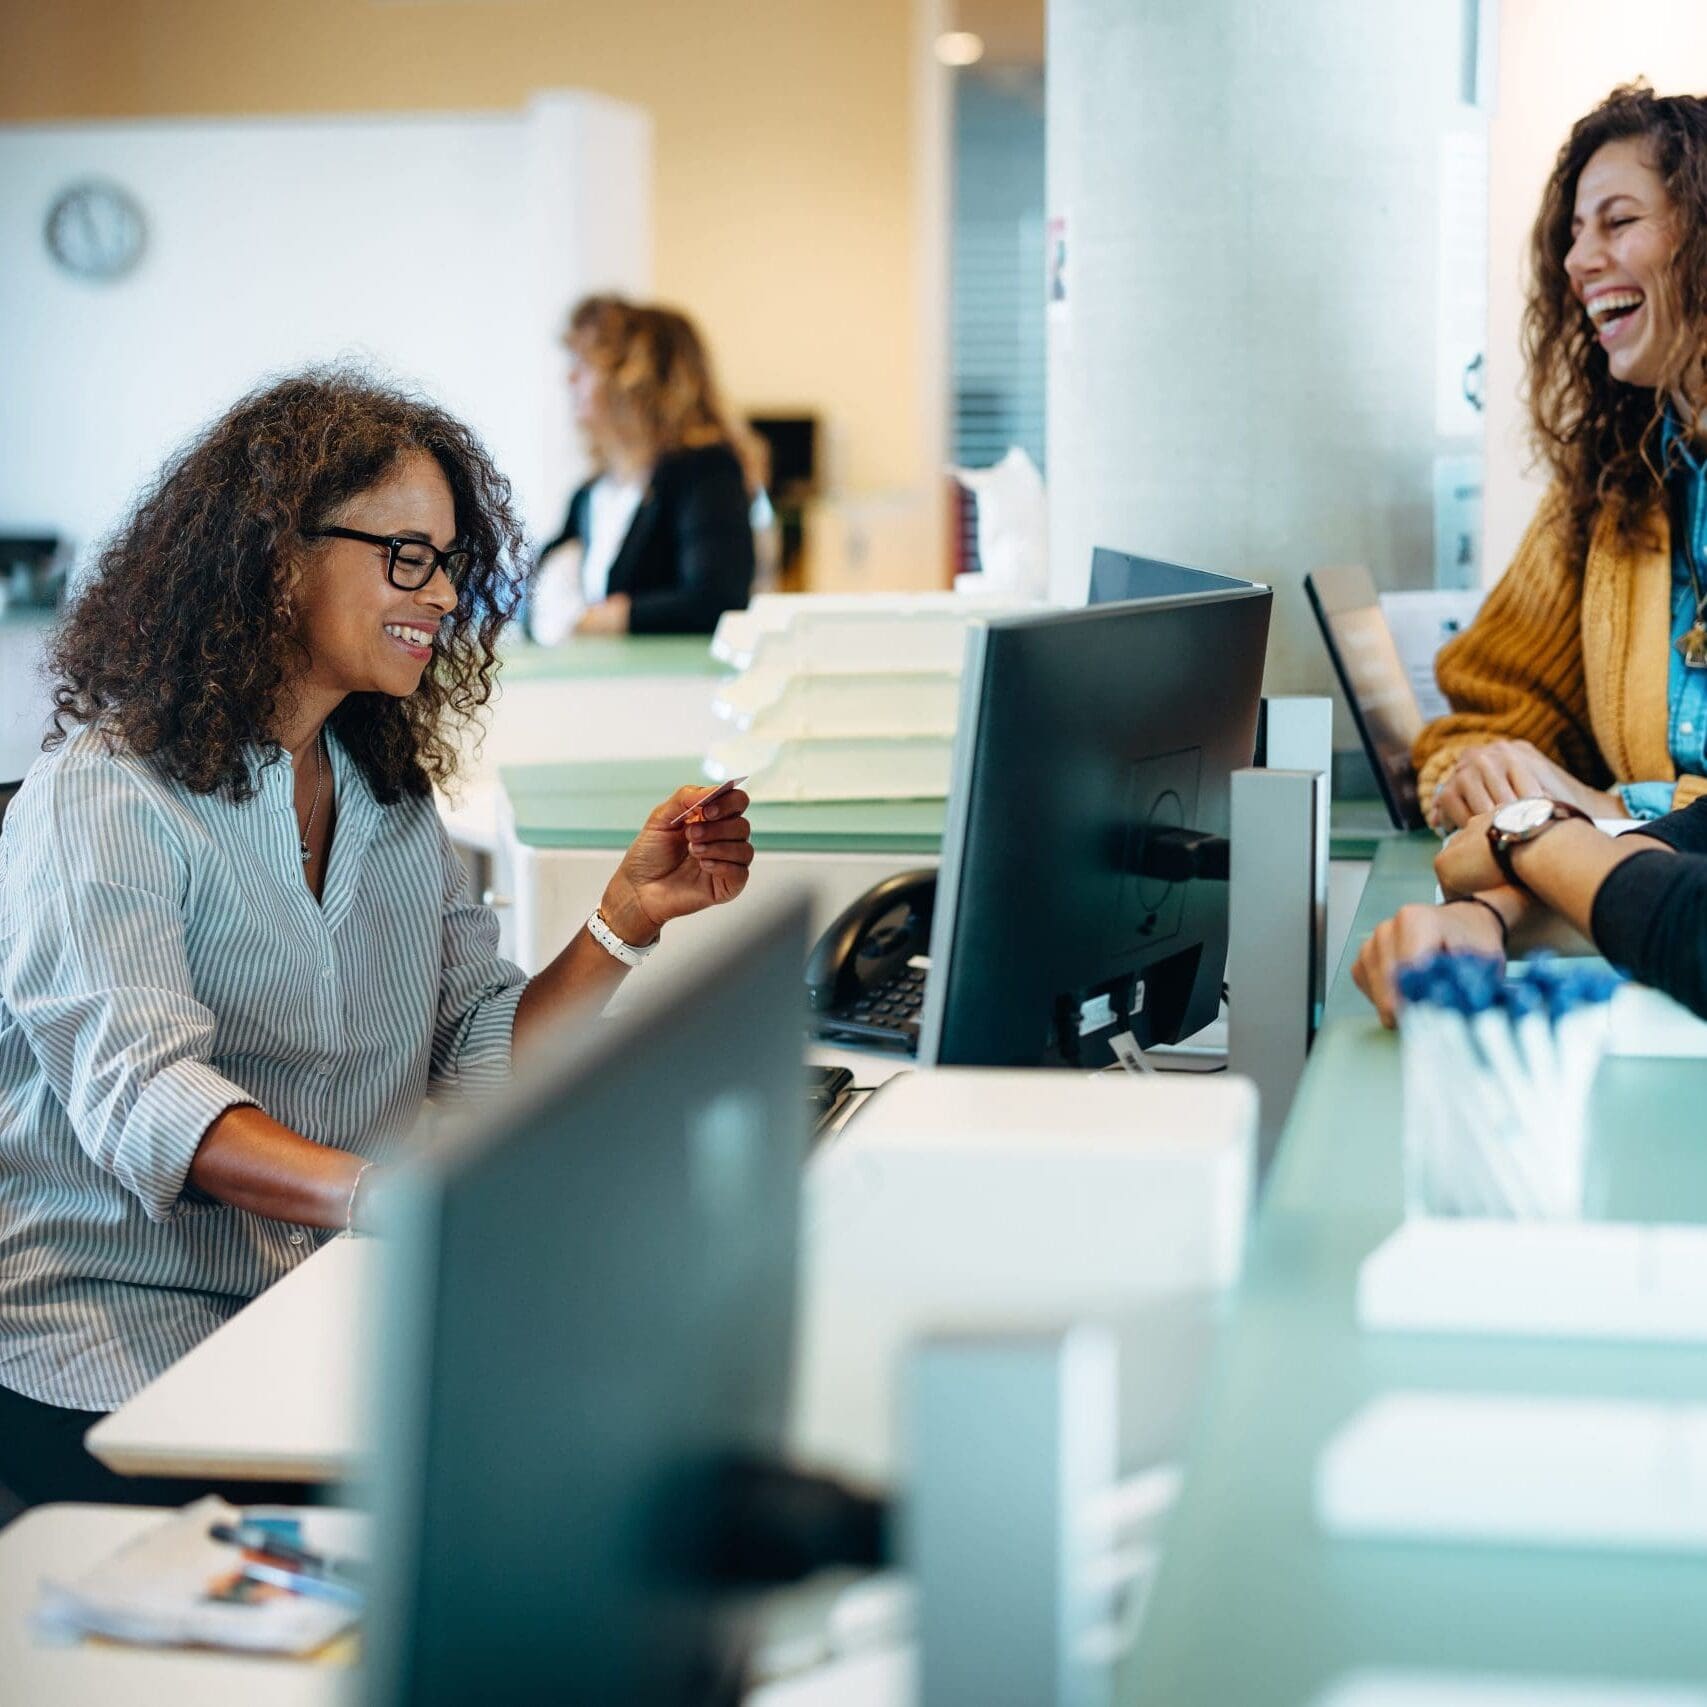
x: 273, y: 1395
x: 471, y: 815
x: 552, y: 720
x: 64, y: 1541
x: 278, y: 1392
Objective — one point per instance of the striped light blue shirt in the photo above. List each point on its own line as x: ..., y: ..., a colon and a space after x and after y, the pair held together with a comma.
x: 163, y: 960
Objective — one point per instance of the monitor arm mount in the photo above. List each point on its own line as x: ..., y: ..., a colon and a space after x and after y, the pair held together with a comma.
x: 764, y: 1524
x: 1179, y: 855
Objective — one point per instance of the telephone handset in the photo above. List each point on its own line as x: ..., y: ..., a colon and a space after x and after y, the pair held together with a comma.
x: 860, y: 980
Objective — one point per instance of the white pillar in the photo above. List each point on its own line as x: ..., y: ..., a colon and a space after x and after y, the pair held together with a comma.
x: 589, y: 189
x: 1243, y: 376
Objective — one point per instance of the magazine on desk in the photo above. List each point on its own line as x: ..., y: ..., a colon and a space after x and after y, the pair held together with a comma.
x: 291, y: 1591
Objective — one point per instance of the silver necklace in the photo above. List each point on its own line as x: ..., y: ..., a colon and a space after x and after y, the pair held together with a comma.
x: 308, y: 828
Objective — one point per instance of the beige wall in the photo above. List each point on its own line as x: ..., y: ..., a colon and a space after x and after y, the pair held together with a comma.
x: 789, y: 212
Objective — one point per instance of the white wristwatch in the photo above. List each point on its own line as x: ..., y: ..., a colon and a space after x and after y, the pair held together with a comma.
x: 612, y: 944
x: 1520, y: 821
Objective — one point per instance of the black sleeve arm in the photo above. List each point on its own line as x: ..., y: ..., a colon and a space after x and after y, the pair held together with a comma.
x: 1686, y: 830
x: 571, y: 528
x: 1650, y: 917
x: 714, y: 554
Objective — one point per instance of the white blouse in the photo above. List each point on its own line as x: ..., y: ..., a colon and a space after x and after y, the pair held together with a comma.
x: 560, y: 595
x: 163, y: 960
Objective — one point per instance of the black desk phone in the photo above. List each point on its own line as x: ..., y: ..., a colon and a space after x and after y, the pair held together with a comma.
x: 865, y: 979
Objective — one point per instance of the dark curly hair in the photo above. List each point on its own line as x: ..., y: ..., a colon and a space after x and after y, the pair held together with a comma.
x: 1600, y: 438
x: 183, y: 640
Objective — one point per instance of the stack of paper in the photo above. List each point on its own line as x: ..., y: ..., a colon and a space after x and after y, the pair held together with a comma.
x: 844, y: 697
x: 176, y: 1586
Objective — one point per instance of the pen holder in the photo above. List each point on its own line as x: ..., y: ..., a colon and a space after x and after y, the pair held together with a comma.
x: 1497, y: 1076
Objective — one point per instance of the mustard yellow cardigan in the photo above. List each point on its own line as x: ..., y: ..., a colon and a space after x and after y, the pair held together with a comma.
x: 1571, y: 656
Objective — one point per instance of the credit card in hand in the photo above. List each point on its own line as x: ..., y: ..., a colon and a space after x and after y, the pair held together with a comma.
x: 704, y: 801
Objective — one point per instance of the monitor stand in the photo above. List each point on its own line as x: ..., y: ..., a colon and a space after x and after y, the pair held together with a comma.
x: 1204, y: 1051
x: 1276, y: 935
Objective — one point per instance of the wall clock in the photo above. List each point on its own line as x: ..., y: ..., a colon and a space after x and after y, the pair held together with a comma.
x: 95, y: 230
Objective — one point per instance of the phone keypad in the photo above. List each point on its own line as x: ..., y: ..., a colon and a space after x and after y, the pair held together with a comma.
x: 886, y: 1013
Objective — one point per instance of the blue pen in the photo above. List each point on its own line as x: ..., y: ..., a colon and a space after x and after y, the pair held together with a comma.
x: 1498, y: 1070
x: 1453, y: 1098
x: 299, y: 1582
x: 258, y: 1537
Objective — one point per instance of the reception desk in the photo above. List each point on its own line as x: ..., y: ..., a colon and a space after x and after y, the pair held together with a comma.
x: 562, y: 829
x: 1254, y: 1604
x: 597, y: 697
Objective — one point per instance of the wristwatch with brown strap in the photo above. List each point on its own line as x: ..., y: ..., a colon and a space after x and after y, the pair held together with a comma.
x: 1520, y: 821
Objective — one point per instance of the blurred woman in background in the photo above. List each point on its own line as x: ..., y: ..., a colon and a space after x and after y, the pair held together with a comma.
x: 659, y: 540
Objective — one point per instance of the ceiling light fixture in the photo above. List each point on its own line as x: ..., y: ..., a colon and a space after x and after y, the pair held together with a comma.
x: 959, y: 47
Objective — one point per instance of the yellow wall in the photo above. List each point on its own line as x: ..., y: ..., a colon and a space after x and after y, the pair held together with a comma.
x: 787, y: 213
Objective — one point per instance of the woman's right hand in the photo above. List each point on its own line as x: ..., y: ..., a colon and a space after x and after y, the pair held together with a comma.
x: 672, y: 870
x: 1497, y: 771
x: 1462, y: 927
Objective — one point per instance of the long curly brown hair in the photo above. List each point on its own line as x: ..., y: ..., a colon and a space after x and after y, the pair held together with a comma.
x: 1602, y: 439
x: 185, y: 637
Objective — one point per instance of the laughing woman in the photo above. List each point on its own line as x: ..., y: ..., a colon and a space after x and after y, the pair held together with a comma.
x: 236, y: 949
x: 1584, y: 679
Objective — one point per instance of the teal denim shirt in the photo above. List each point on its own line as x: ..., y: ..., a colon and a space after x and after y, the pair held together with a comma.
x: 1686, y: 689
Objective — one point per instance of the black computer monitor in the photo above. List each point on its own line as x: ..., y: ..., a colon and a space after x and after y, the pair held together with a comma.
x: 1118, y: 576
x: 589, y: 1311
x: 1071, y: 906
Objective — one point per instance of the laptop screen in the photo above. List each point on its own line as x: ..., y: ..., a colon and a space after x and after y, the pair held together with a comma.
x: 1369, y: 668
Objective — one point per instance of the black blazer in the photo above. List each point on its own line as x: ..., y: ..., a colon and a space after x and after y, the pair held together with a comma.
x: 688, y: 555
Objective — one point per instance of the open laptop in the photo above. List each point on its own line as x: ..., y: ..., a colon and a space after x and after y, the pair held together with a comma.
x: 1383, y: 703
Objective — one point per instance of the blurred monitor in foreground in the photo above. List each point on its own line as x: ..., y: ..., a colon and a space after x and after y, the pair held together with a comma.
x: 589, y: 1313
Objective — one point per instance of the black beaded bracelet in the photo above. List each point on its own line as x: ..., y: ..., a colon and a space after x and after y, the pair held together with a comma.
x: 1483, y: 901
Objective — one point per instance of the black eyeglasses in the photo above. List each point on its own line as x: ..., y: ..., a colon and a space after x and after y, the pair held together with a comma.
x: 409, y: 563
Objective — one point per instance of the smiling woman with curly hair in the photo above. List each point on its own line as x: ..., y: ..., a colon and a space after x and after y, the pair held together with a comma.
x: 237, y: 949
x: 1567, y: 686
x: 203, y: 584
x: 1580, y: 691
